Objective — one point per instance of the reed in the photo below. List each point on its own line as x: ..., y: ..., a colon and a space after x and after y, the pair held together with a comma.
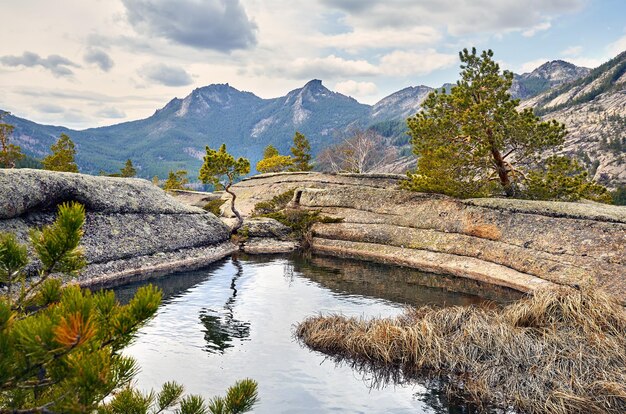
x: 558, y: 351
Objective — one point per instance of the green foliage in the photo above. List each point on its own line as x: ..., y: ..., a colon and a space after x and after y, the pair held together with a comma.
x: 214, y: 206
x: 10, y: 154
x: 276, y: 163
x: 619, y: 196
x: 128, y: 170
x: 176, y: 180
x: 300, y: 221
x: 62, y: 157
x: 473, y: 142
x: 301, y: 151
x: 270, y: 151
x: 563, y: 179
x: 277, y: 203
x: 60, y: 346
x: 29, y: 162
x: 221, y: 169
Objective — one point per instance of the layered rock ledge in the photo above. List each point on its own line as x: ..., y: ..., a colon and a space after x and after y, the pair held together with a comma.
x: 519, y: 244
x: 132, y: 227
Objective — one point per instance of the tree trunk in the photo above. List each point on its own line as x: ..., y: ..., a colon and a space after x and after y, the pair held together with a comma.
x: 232, y: 207
x: 501, y: 169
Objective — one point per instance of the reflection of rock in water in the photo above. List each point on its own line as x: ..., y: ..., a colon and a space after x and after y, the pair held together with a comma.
x: 399, y: 284
x: 221, y: 327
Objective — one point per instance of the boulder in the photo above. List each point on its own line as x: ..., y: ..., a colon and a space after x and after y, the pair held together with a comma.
x: 126, y: 219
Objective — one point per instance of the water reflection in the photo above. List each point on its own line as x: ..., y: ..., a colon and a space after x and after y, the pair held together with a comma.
x: 221, y: 328
x: 235, y: 319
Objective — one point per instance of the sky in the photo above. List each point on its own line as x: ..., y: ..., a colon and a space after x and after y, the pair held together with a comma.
x: 88, y: 63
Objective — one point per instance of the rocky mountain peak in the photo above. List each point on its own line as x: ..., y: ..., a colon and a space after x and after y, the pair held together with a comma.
x: 401, y: 104
x: 558, y: 71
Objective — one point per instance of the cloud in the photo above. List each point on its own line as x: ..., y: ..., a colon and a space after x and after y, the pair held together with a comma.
x: 330, y: 67
x: 220, y: 25
x: 460, y: 17
x: 382, y: 38
x: 531, y: 65
x: 50, y: 108
x: 404, y: 63
x: 354, y: 88
x: 58, y: 65
x: 536, y: 29
x: 99, y: 58
x: 111, y: 113
x: 572, y: 51
x: 617, y: 47
x: 166, y: 74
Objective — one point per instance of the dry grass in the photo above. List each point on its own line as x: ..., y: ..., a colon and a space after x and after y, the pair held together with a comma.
x: 558, y: 351
x: 484, y: 231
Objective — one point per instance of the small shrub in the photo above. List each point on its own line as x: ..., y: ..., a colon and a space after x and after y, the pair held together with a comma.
x: 277, y: 203
x: 213, y: 206
x: 301, y: 221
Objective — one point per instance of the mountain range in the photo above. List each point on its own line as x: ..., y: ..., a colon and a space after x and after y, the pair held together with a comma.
x: 174, y: 137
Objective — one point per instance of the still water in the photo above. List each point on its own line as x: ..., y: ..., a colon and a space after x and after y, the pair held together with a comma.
x: 235, y: 319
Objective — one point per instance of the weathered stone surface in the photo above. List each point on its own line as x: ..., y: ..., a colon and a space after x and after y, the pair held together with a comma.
x: 515, y: 243
x: 261, y: 245
x: 263, y: 187
x: 264, y: 227
x: 266, y: 235
x: 25, y: 190
x: 129, y: 222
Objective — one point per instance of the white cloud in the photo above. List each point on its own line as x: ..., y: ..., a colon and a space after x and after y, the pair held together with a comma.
x: 572, y: 51
x: 354, y: 88
x: 402, y: 63
x: 361, y: 39
x: 616, y: 47
x: 460, y: 17
x: 536, y: 29
x: 531, y: 65
x: 331, y: 66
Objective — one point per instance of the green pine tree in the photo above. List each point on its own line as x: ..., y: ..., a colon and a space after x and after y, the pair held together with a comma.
x: 60, y: 346
x: 473, y: 141
x: 301, y: 151
x: 62, y: 157
x: 273, y: 162
x: 128, y: 170
x: 222, y: 170
x: 176, y: 180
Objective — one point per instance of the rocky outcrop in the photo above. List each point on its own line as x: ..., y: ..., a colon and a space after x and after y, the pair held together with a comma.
x: 263, y: 187
x: 519, y: 244
x: 130, y: 227
x: 262, y: 235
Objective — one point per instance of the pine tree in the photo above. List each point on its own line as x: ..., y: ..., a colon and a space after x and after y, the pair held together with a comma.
x: 9, y: 153
x: 273, y: 162
x: 301, y: 151
x: 222, y: 170
x: 176, y: 180
x: 473, y: 141
x: 60, y: 345
x: 62, y: 157
x: 128, y: 170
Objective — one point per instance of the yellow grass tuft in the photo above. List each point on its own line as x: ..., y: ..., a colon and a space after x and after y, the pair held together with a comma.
x: 558, y: 351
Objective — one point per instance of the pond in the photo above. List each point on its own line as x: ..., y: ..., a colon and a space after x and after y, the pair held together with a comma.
x: 235, y: 319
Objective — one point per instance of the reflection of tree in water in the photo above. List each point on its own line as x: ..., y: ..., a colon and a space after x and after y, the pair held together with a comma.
x: 221, y: 327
